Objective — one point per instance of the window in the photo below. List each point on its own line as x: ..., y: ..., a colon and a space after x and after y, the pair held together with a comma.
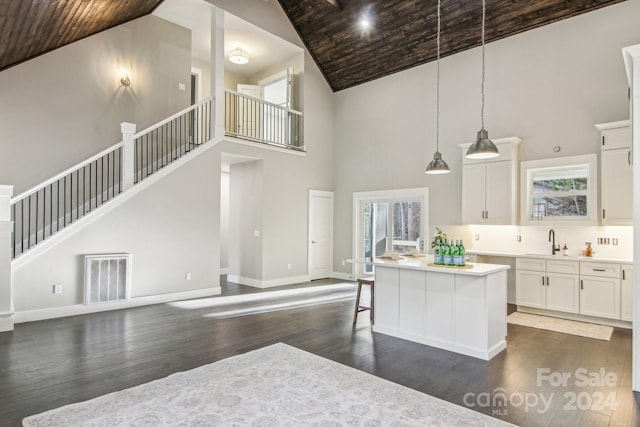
x: 559, y: 190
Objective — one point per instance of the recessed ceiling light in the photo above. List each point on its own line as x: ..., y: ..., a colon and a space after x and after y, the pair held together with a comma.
x: 365, y: 23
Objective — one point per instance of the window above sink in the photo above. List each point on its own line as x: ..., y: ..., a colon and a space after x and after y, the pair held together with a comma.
x: 559, y: 191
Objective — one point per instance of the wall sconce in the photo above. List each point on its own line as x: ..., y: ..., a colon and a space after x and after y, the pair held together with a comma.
x: 124, y: 79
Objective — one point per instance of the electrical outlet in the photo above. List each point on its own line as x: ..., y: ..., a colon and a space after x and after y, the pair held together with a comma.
x: 518, y: 238
x: 256, y: 233
x: 288, y: 266
x: 187, y: 276
x: 614, y: 241
x: 477, y: 237
x: 343, y: 262
x: 57, y: 289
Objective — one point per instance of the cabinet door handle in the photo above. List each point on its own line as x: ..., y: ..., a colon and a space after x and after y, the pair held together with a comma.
x: 604, y: 213
x: 486, y: 214
x: 624, y: 275
x: 629, y: 157
x: 581, y: 284
x: 542, y: 280
x: 603, y: 140
x: 598, y: 269
x: 547, y: 280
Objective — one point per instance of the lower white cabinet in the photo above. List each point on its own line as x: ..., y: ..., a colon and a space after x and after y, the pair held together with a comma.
x: 589, y: 288
x: 539, y: 285
x: 530, y: 289
x: 600, y: 290
x: 626, y: 293
x: 563, y: 293
x: 600, y: 297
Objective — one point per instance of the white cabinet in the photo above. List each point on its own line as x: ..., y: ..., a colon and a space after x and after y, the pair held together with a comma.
x: 550, y: 284
x: 600, y: 289
x: 616, y: 173
x: 600, y: 296
x: 531, y: 288
x: 489, y: 187
x: 626, y: 293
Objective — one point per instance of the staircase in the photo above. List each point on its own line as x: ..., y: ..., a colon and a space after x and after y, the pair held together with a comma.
x: 43, y: 211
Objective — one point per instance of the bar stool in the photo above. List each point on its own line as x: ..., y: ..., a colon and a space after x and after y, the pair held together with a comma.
x: 364, y: 281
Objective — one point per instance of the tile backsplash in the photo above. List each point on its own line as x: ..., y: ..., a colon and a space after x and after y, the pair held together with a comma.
x: 535, y: 239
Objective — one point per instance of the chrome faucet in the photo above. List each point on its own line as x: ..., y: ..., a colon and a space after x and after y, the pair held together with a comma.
x: 552, y: 238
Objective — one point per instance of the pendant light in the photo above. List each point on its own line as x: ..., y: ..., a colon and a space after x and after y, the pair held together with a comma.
x: 437, y: 165
x: 482, y: 148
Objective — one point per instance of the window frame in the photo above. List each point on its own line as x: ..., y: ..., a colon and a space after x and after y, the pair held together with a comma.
x: 529, y: 169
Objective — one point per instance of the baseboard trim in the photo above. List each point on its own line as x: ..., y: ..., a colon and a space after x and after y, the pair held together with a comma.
x: 6, y: 321
x: 342, y: 276
x: 74, y: 310
x: 262, y: 284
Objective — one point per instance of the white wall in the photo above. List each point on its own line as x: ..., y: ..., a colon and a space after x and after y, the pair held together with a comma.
x: 246, y: 184
x: 548, y: 86
x: 166, y: 227
x: 224, y: 221
x: 288, y: 177
x: 62, y: 107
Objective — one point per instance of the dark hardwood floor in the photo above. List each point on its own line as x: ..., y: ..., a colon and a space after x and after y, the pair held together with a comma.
x: 47, y: 364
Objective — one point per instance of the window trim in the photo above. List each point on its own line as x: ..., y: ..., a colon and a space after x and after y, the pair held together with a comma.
x: 527, y: 170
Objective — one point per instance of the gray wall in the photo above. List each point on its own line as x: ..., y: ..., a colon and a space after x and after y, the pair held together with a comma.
x: 173, y: 227
x: 548, y: 86
x: 62, y: 107
x: 245, y: 217
x: 166, y: 227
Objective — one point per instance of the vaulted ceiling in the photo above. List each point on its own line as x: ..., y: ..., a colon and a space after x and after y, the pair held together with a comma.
x: 402, y: 32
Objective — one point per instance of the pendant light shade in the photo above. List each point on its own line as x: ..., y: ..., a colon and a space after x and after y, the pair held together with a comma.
x: 482, y: 148
x: 437, y: 165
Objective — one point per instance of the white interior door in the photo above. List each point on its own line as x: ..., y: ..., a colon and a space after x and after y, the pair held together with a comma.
x: 249, y: 111
x: 320, y: 234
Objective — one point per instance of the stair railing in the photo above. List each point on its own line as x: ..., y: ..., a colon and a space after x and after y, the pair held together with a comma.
x: 49, y: 207
x: 157, y: 146
x: 254, y: 119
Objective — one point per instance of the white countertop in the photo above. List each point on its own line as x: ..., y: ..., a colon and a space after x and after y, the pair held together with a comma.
x: 477, y: 269
x: 556, y: 257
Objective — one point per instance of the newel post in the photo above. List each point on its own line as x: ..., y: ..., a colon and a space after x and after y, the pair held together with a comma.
x: 128, y: 166
x: 6, y: 227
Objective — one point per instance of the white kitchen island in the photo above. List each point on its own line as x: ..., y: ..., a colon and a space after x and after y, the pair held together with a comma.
x: 460, y: 310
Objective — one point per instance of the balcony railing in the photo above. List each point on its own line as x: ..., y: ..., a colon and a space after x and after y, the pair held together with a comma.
x: 254, y: 119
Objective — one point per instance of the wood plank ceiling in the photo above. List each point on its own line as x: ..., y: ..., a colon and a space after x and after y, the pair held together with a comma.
x: 29, y: 28
x: 403, y: 32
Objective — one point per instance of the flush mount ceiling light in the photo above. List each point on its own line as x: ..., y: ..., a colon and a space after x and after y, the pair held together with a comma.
x: 437, y: 165
x: 239, y: 56
x: 482, y: 148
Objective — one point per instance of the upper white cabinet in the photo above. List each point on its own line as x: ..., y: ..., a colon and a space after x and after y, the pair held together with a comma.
x: 616, y: 173
x: 489, y: 187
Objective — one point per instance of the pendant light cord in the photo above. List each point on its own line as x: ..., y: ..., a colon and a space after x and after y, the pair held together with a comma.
x: 482, y: 85
x: 438, y: 83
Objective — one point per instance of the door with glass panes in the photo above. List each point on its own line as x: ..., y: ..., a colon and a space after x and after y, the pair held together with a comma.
x: 389, y: 225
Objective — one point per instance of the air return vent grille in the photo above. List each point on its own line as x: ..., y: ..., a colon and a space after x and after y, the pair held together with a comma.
x: 106, y: 278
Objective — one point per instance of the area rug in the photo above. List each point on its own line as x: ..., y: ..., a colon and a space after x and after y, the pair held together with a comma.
x: 277, y: 385
x: 588, y: 330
